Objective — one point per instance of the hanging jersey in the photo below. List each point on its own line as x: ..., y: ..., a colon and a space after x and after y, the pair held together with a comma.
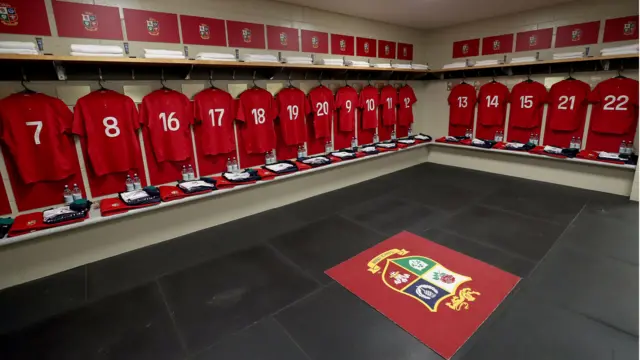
x: 34, y: 128
x: 406, y: 99
x: 346, y: 104
x: 167, y: 114
x: 567, y: 105
x: 321, y: 101
x: 615, y: 109
x: 462, y: 101
x: 292, y: 107
x: 214, y: 110
x: 492, y: 104
x: 527, y: 104
x: 388, y: 104
x: 108, y: 120
x: 369, y: 102
x: 256, y: 109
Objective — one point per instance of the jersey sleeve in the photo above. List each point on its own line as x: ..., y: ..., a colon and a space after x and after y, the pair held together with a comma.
x: 273, y: 109
x: 338, y: 103
x: 188, y: 110
x: 197, y: 115
x: 634, y: 93
x: 133, y: 111
x: 412, y: 97
x: 142, y: 116
x: 506, y: 94
x: 307, y: 106
x: 361, y: 99
x: 238, y: 106
x: 65, y: 116
x: 78, y: 123
x: 543, y: 94
x: 451, y: 96
x: 594, y: 95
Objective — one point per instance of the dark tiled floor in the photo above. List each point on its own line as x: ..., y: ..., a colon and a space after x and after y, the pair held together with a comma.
x: 232, y: 292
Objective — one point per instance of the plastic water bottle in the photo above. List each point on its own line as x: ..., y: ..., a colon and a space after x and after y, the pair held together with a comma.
x: 137, y: 184
x: 185, y: 173
x: 629, y: 148
x: 328, y: 146
x: 409, y: 131
x: 376, y: 138
x: 129, y: 183
x: 191, y: 172
x: 229, y: 165
x: 354, y: 142
x: 393, y: 134
x: 300, y: 151
x: 76, y: 193
x: 68, y: 195
x: 623, y: 148
x: 496, y: 137
x: 578, y: 143
x: 572, y: 144
x: 234, y: 164
x: 536, y: 139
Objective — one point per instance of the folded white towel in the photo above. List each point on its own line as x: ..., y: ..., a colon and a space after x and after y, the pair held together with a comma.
x: 568, y: 55
x: 455, y: 65
x: 216, y: 56
x: 619, y: 52
x: 163, y: 52
x: 98, y: 49
x: 617, y: 48
x: 300, y: 62
x: 332, y: 61
x: 420, y: 66
x: 523, y: 59
x: 18, y: 45
x: 161, y: 56
x: 357, y: 63
x: 75, y: 53
x: 382, y: 66
x: 610, y: 156
x: 297, y: 58
x: 18, y: 51
x: 489, y: 62
x: 401, y: 66
x: 259, y: 58
x: 213, y: 59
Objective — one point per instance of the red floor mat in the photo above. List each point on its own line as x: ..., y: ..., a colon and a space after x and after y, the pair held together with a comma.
x: 438, y: 295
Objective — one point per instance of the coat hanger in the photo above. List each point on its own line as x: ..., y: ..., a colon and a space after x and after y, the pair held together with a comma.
x: 620, y: 76
x: 290, y: 83
x: 320, y: 79
x: 164, y: 87
x: 26, y: 89
x: 100, y: 80
x: 493, y: 78
x: 464, y: 78
x: 529, y: 77
x: 570, y: 71
x: 211, y: 80
x: 369, y: 80
x: 253, y: 79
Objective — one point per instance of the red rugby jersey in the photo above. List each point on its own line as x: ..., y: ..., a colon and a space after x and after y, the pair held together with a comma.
x: 567, y: 105
x: 406, y: 99
x: 257, y: 110
x: 462, y: 101
x: 346, y: 104
x: 492, y: 104
x: 369, y: 102
x: 214, y: 110
x: 527, y: 104
x: 389, y: 104
x: 322, y: 105
x: 615, y: 109
x: 293, y: 107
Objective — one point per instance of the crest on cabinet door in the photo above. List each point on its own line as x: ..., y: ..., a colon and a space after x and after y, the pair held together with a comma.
x: 90, y: 21
x: 315, y: 42
x: 533, y: 40
x: 465, y: 49
x: 496, y: 44
x: 205, y: 33
x: 343, y: 45
x: 153, y: 27
x: 387, y: 49
x: 576, y: 34
x: 404, y: 51
x: 246, y: 35
x: 366, y: 47
x: 630, y: 28
x: 283, y: 39
x: 8, y: 15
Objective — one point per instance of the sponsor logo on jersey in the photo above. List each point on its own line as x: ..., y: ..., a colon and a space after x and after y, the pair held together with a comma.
x: 576, y: 35
x: 115, y: 205
x: 404, y: 51
x: 496, y: 44
x: 343, y: 45
x: 153, y: 27
x: 246, y: 35
x: 8, y: 15
x: 90, y: 21
x: 629, y: 28
x: 283, y: 39
x: 387, y: 50
x: 315, y: 42
x: 205, y: 33
x: 31, y: 222
x: 423, y: 279
x: 366, y: 47
x: 465, y: 49
x: 533, y: 40
x: 174, y: 192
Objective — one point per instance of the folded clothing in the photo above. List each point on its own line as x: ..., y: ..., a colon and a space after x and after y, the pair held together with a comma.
x: 420, y: 66
x: 523, y: 59
x: 5, y: 226
x: 21, y: 45
x: 382, y: 65
x: 298, y: 59
x: 315, y: 161
x: 450, y: 139
x: 612, y: 158
x: 387, y: 146
x: 339, y: 62
x: 407, y: 141
x: 97, y: 49
x: 633, y: 48
x: 357, y: 63
x: 27, y: 223
x: 163, y: 52
x: 619, y: 52
x: 455, y: 65
x: 19, y: 51
x: 75, y: 53
x: 258, y: 58
x: 248, y: 175
x: 344, y: 155
x: 485, y: 144
x: 148, y: 195
x: 161, y: 56
x: 568, y: 55
x: 196, y: 186
x: 113, y: 206
x: 422, y: 137
x: 516, y: 146
x: 401, y: 66
x: 488, y: 62
x: 216, y: 56
x: 282, y: 167
x: 62, y: 214
x: 369, y: 150
x: 554, y: 151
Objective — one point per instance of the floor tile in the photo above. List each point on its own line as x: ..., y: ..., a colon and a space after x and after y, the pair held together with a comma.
x: 392, y: 215
x: 449, y: 197
x: 137, y: 267
x: 335, y: 325
x: 323, y: 244
x: 216, y: 298
x: 532, y: 330
x: 132, y: 325
x: 40, y: 299
x: 506, y: 261
x: 559, y: 204
x: 265, y: 340
x: 528, y: 237
x: 597, y: 286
